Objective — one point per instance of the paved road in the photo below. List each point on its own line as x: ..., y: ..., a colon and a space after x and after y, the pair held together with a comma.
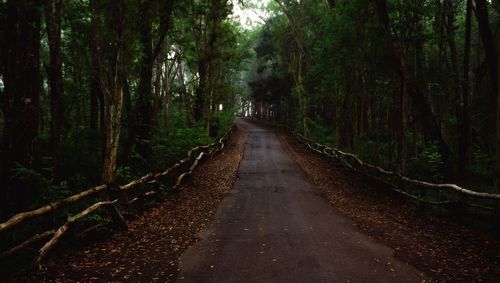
x: 275, y: 226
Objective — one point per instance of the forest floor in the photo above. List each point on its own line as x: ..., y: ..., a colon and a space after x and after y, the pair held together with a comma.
x: 150, y: 249
x: 277, y: 226
x: 444, y: 250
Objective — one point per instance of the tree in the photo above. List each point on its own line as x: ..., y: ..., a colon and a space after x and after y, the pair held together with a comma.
x: 22, y: 81
x: 358, y: 101
x: 53, y: 11
x: 145, y: 93
x: 492, y: 50
x: 420, y: 101
x: 301, y: 64
x: 206, y: 20
x: 62, y: 123
x: 110, y: 59
x: 465, y: 140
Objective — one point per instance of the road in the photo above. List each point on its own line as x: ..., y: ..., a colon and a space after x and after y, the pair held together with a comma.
x: 275, y: 226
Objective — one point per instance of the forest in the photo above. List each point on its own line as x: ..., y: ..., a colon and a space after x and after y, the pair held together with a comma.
x: 408, y: 85
x: 105, y: 91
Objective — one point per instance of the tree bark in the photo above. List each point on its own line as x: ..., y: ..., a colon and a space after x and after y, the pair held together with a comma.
x: 111, y: 74
x: 488, y: 41
x: 53, y: 13
x: 130, y: 122
x: 457, y: 88
x: 491, y: 54
x: 165, y: 12
x: 94, y: 103
x: 497, y: 167
x: 404, y: 121
x: 145, y: 89
x: 465, y: 140
x: 22, y: 90
x: 200, y: 90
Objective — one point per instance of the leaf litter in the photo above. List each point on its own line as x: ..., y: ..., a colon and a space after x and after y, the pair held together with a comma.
x: 152, y: 246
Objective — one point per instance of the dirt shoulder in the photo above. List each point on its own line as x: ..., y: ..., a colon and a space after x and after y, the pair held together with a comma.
x: 150, y: 249
x: 444, y: 250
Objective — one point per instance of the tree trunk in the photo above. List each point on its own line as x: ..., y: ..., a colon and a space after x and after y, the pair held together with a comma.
x: 145, y: 91
x: 200, y: 90
x: 491, y: 54
x: 111, y: 74
x: 415, y: 93
x: 22, y: 91
x: 165, y: 13
x: 184, y: 91
x: 53, y: 10
x: 457, y: 89
x: 112, y: 123
x: 488, y: 41
x: 302, y: 65
x: 404, y: 121
x: 465, y: 140
x: 497, y: 167
x: 130, y: 122
x: 94, y: 102
x: 158, y: 87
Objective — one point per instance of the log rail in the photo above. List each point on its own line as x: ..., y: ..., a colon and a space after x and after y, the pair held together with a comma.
x: 387, y: 177
x: 178, y: 172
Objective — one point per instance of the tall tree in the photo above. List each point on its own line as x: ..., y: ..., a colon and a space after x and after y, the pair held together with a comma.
x: 465, y: 140
x: 109, y: 16
x: 452, y: 44
x: 492, y: 50
x: 302, y: 62
x: 21, y: 61
x: 207, y: 18
x: 420, y: 101
x: 53, y: 11
x: 145, y: 100
x: 145, y: 90
x: 488, y: 40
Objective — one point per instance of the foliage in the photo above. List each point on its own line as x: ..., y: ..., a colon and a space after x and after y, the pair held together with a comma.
x: 344, y: 87
x: 429, y: 163
x: 223, y: 120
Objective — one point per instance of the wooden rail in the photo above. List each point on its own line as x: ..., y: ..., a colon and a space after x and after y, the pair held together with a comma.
x: 358, y: 165
x: 193, y: 158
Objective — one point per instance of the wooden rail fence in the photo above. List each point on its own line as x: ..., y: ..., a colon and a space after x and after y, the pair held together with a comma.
x: 399, y: 183
x: 179, y: 171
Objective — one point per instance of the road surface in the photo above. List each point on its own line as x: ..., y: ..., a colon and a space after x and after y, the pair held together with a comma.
x: 275, y: 226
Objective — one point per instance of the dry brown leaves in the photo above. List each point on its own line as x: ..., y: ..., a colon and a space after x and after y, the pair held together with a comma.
x: 442, y: 249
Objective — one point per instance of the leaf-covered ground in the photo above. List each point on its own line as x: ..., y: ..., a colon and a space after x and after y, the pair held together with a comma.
x: 149, y: 250
x: 444, y: 250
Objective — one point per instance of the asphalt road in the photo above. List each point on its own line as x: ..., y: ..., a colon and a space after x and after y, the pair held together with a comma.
x: 275, y: 226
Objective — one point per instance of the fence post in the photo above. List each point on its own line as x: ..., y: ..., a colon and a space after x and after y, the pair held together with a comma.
x: 497, y: 218
x: 113, y: 210
x: 458, y: 208
x: 422, y: 205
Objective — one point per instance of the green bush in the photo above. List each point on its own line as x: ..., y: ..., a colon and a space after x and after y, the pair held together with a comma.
x: 222, y: 120
x: 173, y: 144
x: 428, y: 165
x: 483, y: 164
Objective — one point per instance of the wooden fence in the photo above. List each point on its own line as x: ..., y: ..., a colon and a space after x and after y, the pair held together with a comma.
x: 450, y: 196
x: 125, y: 195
